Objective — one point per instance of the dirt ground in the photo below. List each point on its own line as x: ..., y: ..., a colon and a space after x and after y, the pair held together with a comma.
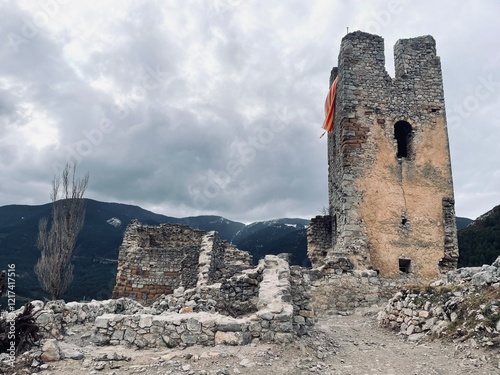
x: 352, y: 345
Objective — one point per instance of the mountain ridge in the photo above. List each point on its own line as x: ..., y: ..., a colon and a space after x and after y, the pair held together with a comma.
x: 479, y: 241
x: 96, y: 251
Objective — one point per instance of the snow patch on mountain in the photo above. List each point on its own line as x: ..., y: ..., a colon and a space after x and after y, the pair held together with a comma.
x: 114, y: 221
x: 220, y: 220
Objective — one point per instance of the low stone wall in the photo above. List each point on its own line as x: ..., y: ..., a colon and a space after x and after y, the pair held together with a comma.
x: 273, y: 303
x: 55, y: 316
x: 303, y: 309
x: 339, y: 292
x: 174, y: 330
x: 411, y: 313
x: 276, y: 316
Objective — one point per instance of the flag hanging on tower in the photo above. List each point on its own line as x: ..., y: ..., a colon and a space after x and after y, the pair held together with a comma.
x: 330, y: 107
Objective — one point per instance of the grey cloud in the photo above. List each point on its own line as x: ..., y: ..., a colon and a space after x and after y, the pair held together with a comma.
x: 218, y: 108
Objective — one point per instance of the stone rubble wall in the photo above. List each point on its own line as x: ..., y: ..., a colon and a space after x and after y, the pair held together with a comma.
x: 237, y: 258
x: 319, y: 238
x: 337, y: 288
x: 55, y: 316
x: 235, y: 296
x: 418, y: 312
x: 210, y: 257
x: 274, y: 299
x: 155, y: 260
x: 302, y: 299
x: 239, y: 294
x: 277, y: 318
x: 235, y: 262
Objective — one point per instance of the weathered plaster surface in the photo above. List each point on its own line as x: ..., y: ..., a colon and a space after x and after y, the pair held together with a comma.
x: 384, y: 207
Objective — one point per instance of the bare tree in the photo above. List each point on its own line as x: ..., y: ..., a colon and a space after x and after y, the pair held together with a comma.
x: 57, y: 241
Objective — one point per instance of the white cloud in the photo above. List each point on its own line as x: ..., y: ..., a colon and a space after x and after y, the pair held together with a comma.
x: 156, y: 98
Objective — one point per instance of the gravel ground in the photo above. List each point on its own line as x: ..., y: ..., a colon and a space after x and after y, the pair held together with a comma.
x: 352, y: 345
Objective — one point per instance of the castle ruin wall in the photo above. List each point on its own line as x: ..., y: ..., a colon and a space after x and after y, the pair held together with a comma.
x: 155, y: 260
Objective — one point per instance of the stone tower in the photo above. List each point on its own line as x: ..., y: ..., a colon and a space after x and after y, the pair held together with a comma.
x: 391, y: 205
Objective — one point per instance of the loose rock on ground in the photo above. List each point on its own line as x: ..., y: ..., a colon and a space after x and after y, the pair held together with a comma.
x: 347, y: 345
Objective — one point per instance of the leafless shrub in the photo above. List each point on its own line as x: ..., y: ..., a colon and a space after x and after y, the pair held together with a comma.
x: 56, y: 241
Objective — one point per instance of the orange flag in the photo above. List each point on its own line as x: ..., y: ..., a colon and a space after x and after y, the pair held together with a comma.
x: 330, y: 107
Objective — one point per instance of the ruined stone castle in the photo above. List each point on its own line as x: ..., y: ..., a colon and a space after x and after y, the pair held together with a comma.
x: 391, y: 220
x: 203, y: 290
x: 155, y: 260
x: 391, y: 205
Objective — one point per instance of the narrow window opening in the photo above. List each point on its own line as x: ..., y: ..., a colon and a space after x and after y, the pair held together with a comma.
x: 402, y: 135
x: 404, y: 222
x: 404, y: 265
x: 334, y: 230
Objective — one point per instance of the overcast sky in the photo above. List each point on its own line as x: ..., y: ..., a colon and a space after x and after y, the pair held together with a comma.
x: 194, y: 107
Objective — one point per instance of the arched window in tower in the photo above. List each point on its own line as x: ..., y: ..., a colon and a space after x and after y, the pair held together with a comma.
x: 402, y: 134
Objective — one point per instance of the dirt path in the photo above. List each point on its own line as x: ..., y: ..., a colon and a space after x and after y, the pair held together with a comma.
x: 366, y: 348
x: 352, y: 345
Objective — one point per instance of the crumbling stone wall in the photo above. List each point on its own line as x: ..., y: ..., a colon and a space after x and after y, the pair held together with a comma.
x: 225, y: 301
x: 319, y: 238
x: 279, y: 296
x: 56, y: 316
x: 155, y: 260
x: 390, y: 182
x: 283, y: 311
x: 301, y: 299
x: 450, y: 259
x: 342, y: 290
x: 239, y: 294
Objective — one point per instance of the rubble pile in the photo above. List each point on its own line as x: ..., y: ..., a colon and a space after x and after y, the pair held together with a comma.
x: 464, y: 306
